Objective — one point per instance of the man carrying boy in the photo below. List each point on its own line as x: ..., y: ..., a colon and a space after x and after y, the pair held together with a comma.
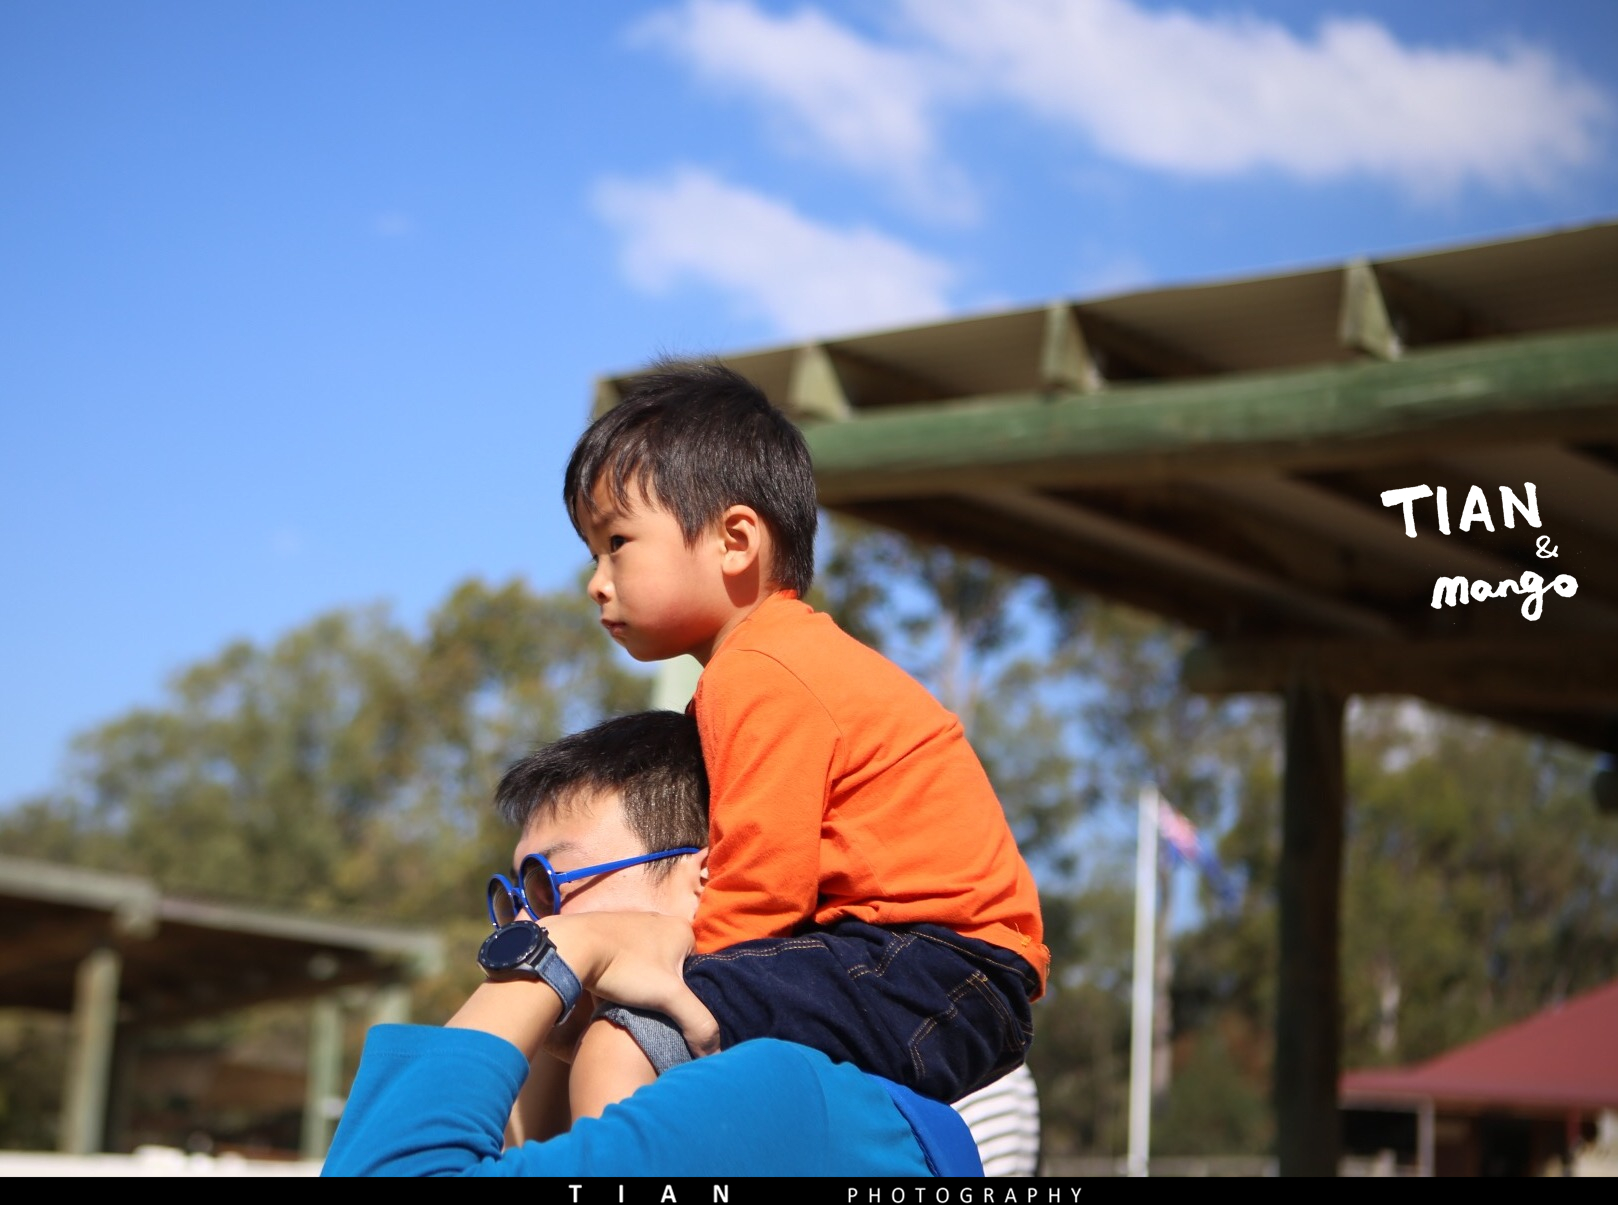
x: 607, y: 818
x: 865, y: 895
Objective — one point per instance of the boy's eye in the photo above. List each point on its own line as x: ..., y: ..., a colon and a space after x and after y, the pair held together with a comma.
x: 615, y: 543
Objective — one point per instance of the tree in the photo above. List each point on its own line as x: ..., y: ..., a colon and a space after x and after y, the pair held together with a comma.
x: 1481, y: 884
x: 345, y: 768
x: 348, y: 753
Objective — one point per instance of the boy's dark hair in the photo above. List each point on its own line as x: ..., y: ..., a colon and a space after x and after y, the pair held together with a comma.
x: 652, y: 760
x: 696, y: 437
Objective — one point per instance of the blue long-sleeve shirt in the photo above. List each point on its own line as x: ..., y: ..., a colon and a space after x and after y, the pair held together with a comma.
x: 429, y: 1101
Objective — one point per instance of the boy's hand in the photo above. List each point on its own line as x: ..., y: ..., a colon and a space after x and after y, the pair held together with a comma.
x: 638, y: 959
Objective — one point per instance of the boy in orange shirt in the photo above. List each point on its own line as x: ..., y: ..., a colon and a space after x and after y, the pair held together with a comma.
x: 865, y: 894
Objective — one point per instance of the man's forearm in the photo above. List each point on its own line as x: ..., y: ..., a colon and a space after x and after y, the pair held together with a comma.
x: 633, y: 958
x: 522, y: 1011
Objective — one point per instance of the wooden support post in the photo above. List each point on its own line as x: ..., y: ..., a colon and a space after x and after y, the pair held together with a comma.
x: 127, y: 1042
x: 1426, y: 1138
x: 1363, y: 322
x: 89, y: 1064
x: 815, y: 391
x: 1065, y: 363
x: 1307, y: 1028
x: 390, y: 1005
x: 320, y: 1096
x: 604, y: 398
x: 675, y: 683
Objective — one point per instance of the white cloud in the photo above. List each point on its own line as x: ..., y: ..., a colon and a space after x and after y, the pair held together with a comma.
x: 803, y: 277
x: 1185, y: 93
x: 863, y: 104
x: 1223, y: 95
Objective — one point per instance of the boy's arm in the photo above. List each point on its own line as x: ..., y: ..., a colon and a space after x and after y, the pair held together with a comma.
x: 541, y: 1110
x: 609, y: 1068
x: 770, y: 748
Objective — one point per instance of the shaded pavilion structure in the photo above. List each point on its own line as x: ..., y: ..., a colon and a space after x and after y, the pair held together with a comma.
x: 1234, y: 457
x: 124, y: 960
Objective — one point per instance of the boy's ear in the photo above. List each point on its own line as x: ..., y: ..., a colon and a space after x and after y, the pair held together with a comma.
x: 743, y: 534
x: 698, y: 873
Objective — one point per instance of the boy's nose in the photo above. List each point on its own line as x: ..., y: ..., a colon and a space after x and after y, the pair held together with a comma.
x: 598, y: 587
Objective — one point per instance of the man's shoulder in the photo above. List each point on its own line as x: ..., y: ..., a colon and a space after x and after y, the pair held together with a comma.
x: 864, y: 1109
x: 941, y: 1135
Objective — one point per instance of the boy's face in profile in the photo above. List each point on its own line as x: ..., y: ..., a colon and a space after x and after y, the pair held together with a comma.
x: 659, y: 596
x: 594, y: 832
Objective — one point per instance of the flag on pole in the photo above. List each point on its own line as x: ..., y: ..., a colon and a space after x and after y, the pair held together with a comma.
x: 1188, y: 845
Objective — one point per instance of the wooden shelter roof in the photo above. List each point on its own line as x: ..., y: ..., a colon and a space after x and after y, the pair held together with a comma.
x: 1217, y: 454
x: 181, y: 958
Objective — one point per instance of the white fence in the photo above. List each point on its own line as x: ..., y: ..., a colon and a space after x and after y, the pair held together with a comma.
x: 149, y: 1161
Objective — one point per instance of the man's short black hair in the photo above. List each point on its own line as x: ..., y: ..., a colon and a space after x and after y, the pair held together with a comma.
x: 696, y: 437
x: 652, y: 760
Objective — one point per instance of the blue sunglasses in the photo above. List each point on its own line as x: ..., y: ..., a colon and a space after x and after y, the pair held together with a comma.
x: 538, y: 888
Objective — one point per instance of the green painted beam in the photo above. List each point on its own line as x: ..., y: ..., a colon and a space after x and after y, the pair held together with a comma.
x: 1563, y: 385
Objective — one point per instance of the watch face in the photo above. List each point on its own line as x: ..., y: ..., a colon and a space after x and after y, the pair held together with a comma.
x: 511, y: 946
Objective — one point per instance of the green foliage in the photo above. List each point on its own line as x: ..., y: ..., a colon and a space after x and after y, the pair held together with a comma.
x: 33, y: 1058
x: 346, y: 768
x: 1216, y: 1106
x: 347, y: 755
x: 1080, y: 1055
x: 1480, y: 887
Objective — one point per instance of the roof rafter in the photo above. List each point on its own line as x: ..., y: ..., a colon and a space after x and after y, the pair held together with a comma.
x: 1150, y: 547
x: 1311, y: 417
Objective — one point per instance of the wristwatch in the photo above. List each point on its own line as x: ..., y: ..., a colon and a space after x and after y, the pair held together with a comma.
x: 522, y: 950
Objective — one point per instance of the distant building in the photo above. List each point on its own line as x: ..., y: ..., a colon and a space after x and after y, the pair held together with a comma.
x: 1525, y: 1100
x: 125, y: 963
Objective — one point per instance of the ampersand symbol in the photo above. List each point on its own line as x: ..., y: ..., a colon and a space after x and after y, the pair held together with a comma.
x: 1542, y: 548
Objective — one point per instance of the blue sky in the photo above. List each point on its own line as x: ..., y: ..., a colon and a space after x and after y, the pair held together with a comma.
x: 300, y: 303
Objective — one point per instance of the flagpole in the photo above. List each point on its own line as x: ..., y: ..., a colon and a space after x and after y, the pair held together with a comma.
x: 1140, y: 1025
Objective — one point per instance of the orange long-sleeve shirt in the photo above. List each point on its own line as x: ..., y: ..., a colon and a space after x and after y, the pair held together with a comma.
x: 840, y: 788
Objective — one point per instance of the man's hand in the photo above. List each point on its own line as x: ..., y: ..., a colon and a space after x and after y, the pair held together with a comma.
x: 637, y: 958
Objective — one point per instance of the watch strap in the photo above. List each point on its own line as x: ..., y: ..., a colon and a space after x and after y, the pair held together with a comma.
x: 553, y: 971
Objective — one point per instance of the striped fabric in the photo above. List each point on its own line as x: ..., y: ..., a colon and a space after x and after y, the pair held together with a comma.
x: 1004, y: 1120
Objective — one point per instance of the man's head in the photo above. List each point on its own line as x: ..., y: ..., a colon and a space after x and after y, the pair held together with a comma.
x: 632, y: 785
x: 694, y: 438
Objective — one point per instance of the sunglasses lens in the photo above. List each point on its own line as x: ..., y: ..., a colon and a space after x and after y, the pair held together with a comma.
x: 501, y: 908
x: 536, y: 888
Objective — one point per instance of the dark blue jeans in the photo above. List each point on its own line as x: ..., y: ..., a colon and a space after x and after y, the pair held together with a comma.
x: 917, y: 1004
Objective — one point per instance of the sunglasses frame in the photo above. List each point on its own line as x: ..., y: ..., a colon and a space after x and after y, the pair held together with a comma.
x: 519, y: 899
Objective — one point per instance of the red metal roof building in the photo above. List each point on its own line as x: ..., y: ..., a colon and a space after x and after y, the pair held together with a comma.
x: 1508, y: 1103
